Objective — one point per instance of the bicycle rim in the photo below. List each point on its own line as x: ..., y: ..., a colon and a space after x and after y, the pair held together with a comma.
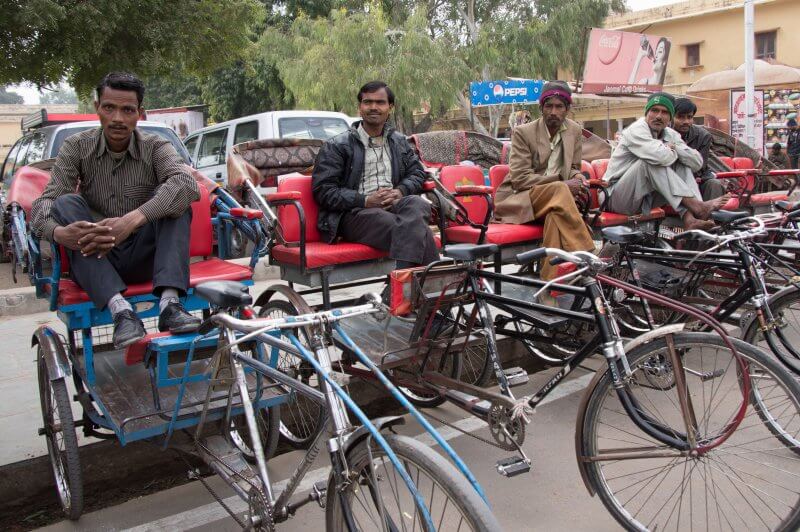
x: 748, y: 482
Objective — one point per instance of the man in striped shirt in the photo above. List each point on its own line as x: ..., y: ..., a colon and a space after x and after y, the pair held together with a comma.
x: 119, y: 202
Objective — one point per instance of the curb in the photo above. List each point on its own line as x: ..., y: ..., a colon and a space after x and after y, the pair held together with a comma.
x: 22, y: 300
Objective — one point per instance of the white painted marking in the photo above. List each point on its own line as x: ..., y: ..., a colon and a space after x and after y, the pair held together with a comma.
x: 211, y: 512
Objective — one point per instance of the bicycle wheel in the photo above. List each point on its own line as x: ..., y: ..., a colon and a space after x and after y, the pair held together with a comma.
x: 268, y: 423
x: 785, y: 338
x: 62, y: 442
x: 747, y: 482
x: 476, y: 363
x: 302, y: 418
x: 380, y: 500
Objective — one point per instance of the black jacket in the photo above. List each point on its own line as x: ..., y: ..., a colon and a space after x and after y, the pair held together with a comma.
x: 699, y: 139
x: 793, y: 143
x: 338, y: 170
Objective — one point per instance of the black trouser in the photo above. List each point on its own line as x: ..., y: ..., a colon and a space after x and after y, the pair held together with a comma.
x: 158, y: 251
x: 793, y: 161
x: 402, y: 230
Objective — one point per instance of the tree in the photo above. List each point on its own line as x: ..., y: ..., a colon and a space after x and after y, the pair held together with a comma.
x: 44, y: 41
x: 10, y: 97
x: 173, y: 90
x: 324, y: 61
x: 64, y: 96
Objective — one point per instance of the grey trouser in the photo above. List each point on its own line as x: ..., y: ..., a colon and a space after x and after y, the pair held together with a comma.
x: 645, y: 186
x: 402, y: 230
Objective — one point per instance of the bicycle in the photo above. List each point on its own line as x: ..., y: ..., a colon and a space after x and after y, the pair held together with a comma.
x: 377, y: 481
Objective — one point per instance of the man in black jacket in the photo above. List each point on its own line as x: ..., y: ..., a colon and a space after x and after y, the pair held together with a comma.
x: 699, y: 139
x: 367, y: 182
x: 793, y: 143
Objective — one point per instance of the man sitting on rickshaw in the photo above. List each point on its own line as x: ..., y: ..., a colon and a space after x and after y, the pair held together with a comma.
x: 652, y: 166
x: 699, y: 139
x: 545, y: 176
x: 367, y: 182
x: 130, y: 218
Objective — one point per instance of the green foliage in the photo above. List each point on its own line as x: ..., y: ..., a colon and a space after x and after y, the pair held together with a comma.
x: 45, y: 41
x: 324, y: 61
x: 174, y: 90
x: 7, y: 96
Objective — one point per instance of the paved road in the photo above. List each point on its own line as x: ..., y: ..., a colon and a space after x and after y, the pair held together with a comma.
x: 550, y: 497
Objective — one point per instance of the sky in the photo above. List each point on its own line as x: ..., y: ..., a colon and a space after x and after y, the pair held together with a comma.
x: 31, y: 95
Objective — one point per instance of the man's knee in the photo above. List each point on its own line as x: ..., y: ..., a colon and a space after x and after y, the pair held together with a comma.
x: 71, y: 208
x: 414, y: 203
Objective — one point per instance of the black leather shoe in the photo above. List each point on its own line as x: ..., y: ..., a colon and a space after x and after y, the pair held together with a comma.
x: 128, y: 328
x: 175, y: 319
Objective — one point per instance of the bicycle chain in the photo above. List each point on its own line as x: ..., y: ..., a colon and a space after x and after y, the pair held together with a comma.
x: 196, y: 475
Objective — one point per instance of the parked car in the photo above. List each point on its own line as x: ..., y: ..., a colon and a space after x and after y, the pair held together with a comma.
x: 209, y: 147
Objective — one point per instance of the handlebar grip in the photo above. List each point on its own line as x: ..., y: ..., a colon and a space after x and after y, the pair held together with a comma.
x: 527, y: 257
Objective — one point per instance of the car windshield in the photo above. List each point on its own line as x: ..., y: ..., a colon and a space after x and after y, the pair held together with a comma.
x: 311, y: 127
x: 160, y: 131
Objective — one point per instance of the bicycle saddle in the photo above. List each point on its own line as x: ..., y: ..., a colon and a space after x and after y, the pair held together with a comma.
x: 621, y: 234
x: 470, y: 251
x: 787, y: 206
x: 726, y: 217
x: 224, y: 293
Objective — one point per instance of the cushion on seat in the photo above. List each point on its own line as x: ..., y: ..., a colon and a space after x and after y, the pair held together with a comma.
x: 213, y: 269
x: 497, y: 233
x: 727, y: 161
x: 319, y: 254
x: 742, y: 163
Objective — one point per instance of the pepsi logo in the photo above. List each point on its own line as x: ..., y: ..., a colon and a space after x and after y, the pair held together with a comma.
x: 608, y: 46
x: 498, y: 91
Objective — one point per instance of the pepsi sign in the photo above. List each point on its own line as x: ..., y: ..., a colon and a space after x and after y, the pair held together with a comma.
x: 505, y: 92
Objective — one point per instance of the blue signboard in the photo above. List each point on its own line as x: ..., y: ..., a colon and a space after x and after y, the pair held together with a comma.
x: 505, y: 92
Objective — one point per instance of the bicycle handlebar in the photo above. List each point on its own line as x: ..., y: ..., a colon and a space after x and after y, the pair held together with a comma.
x: 743, y: 234
x: 581, y: 258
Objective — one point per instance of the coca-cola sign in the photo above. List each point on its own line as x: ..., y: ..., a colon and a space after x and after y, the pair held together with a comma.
x: 619, y: 62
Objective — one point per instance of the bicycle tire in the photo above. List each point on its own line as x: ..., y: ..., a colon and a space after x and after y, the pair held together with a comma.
x: 648, y: 492
x: 782, y: 306
x: 268, y: 421
x: 476, y: 362
x: 427, y: 469
x: 300, y: 419
x: 65, y: 462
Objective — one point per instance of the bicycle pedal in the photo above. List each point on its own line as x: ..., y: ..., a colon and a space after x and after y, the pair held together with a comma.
x: 516, y: 376
x: 513, y: 466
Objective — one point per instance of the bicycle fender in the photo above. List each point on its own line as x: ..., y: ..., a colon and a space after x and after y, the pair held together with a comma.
x: 652, y: 335
x: 55, y: 356
x: 355, y: 437
x: 293, y: 297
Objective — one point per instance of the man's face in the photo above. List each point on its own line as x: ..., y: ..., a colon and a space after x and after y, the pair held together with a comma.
x: 657, y: 118
x: 554, y: 111
x: 119, y: 112
x: 374, y: 108
x: 683, y: 121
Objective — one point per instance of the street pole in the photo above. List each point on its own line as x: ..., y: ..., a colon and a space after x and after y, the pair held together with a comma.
x: 749, y: 74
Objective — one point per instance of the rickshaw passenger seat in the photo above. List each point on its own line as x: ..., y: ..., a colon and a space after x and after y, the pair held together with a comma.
x: 225, y: 294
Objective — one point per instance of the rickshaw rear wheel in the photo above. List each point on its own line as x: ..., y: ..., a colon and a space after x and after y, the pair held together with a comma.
x: 62, y: 441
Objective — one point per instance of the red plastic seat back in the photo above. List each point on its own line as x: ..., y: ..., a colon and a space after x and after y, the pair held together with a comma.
x: 27, y: 185
x: 728, y: 161
x: 745, y: 163
x: 600, y: 166
x: 453, y: 176
x: 287, y: 215
x: 497, y: 174
x: 586, y: 166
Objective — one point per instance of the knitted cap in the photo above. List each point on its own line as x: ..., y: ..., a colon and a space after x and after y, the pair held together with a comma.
x: 556, y: 88
x: 661, y: 98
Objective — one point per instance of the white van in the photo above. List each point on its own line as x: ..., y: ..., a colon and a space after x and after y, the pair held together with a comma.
x: 210, y: 146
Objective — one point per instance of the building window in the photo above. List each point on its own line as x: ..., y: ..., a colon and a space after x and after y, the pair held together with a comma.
x: 765, y: 45
x: 692, y: 55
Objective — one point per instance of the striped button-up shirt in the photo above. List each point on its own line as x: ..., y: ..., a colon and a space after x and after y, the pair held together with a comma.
x: 150, y: 177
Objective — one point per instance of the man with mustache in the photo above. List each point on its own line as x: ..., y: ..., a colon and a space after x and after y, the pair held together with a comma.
x: 545, y: 175
x: 367, y: 182
x: 697, y: 138
x: 652, y: 166
x: 118, y: 201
